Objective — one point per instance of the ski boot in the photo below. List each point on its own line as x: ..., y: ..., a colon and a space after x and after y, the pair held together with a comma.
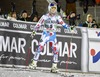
x: 33, y: 65
x: 54, y: 68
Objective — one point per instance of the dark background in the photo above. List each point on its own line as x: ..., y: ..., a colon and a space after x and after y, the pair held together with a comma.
x: 41, y: 6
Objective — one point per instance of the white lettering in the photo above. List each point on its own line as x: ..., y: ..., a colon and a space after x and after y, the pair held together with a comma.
x: 73, y: 49
x: 4, y: 24
x: 21, y: 45
x: 4, y: 44
x: 34, y: 42
x: 11, y: 45
x: 69, y: 50
x: 65, y: 49
x: 14, y: 45
x: 32, y: 27
x: 19, y: 26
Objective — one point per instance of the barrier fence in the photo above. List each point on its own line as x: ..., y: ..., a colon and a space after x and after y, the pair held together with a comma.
x: 17, y: 48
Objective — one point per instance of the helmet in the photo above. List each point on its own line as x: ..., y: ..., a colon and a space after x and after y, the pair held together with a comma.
x: 53, y: 4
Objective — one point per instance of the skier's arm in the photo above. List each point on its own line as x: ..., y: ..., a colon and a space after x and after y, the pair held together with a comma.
x: 65, y: 26
x: 38, y: 25
x: 60, y: 21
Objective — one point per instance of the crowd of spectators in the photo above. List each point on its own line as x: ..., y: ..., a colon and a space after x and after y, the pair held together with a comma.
x: 71, y: 18
x: 23, y: 16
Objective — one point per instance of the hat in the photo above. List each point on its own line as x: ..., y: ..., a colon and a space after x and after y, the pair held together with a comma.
x: 24, y: 11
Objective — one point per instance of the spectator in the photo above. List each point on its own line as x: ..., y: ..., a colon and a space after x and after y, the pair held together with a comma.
x: 12, y: 16
x: 24, y: 16
x: 72, y: 19
x: 95, y: 25
x: 1, y: 15
x: 89, y: 21
x: 34, y: 18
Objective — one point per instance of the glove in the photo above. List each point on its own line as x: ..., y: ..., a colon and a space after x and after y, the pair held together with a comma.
x: 33, y: 34
x: 71, y: 27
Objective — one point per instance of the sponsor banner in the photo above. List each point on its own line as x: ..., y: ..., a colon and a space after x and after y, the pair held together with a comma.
x: 94, y: 34
x: 17, y: 48
x: 94, y: 49
x: 28, y: 26
x: 94, y: 56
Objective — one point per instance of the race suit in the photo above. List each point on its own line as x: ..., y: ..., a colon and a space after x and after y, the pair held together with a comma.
x: 49, y: 34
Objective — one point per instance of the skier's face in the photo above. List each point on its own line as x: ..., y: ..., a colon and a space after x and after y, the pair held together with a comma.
x: 53, y: 10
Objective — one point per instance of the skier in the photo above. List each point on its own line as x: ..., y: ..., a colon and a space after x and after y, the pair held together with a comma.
x: 50, y: 21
